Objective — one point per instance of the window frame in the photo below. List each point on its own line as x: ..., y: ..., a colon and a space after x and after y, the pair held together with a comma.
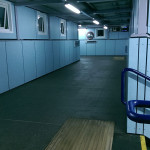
x: 64, y: 23
x: 42, y: 15
x: 99, y: 37
x: 7, y: 6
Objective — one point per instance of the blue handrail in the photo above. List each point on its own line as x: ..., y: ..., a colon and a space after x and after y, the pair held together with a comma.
x: 123, y: 80
x: 133, y: 115
x: 132, y: 104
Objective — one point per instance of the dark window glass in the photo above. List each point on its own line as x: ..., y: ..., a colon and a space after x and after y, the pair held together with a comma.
x: 100, y: 32
x: 41, y: 24
x: 6, y: 21
x: 62, y: 28
x: 2, y: 16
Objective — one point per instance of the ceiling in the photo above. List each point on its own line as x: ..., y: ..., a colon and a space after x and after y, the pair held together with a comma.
x: 107, y: 12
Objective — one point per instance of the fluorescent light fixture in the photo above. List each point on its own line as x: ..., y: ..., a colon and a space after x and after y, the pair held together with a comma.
x: 105, y: 27
x: 96, y: 22
x: 72, y: 8
x: 79, y: 25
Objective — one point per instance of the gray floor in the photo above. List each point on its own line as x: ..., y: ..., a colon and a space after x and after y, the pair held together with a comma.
x: 31, y: 114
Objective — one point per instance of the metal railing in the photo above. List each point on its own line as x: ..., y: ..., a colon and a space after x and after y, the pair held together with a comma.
x: 133, y: 104
x: 123, y: 81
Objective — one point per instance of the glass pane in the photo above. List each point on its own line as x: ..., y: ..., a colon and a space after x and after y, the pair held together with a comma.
x: 41, y: 24
x: 6, y: 21
x: 2, y: 15
x: 62, y: 29
x: 100, y: 32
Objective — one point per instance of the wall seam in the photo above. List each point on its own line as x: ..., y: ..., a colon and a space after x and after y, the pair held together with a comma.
x: 137, y: 76
x: 145, y: 79
x: 23, y: 60
x: 35, y: 58
x: 7, y: 66
x: 16, y: 20
x: 45, y: 56
x: 53, y: 53
x: 59, y: 57
x: 36, y: 30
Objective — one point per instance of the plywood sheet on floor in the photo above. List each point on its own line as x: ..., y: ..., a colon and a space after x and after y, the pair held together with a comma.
x: 83, y: 134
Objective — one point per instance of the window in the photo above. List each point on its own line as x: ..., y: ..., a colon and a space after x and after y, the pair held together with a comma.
x: 5, y: 17
x: 100, y: 33
x: 42, y: 23
x: 63, y: 27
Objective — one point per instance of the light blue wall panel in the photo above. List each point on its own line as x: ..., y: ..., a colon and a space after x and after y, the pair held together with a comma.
x: 113, y: 35
x: 141, y: 81
x: 54, y: 28
x: 91, y: 49
x: 67, y: 53
x: 75, y: 31
x: 132, y: 79
x: 100, y: 47
x: 49, y: 56
x: 15, y: 63
x: 78, y: 53
x: 40, y: 58
x: 120, y: 47
x: 127, y: 48
x: 71, y: 51
x: 108, y: 35
x: 147, y: 94
x: 75, y: 52
x: 123, y: 35
x: 29, y: 60
x: 56, y: 52
x: 62, y: 53
x: 110, y: 47
x: 83, y: 48
x: 69, y: 30
x: 3, y: 69
x: 136, y: 14
x: 13, y: 34
x: 26, y: 18
x: 104, y: 47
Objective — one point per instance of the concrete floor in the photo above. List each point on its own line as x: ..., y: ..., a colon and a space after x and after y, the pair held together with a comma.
x: 31, y: 114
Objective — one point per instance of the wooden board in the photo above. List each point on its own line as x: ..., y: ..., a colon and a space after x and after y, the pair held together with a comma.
x: 82, y: 134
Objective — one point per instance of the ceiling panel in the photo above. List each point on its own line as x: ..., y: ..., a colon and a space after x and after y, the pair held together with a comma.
x: 110, y: 12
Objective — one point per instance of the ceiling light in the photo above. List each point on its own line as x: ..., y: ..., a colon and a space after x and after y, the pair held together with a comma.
x: 105, y: 27
x: 79, y: 25
x: 96, y: 22
x: 72, y: 8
